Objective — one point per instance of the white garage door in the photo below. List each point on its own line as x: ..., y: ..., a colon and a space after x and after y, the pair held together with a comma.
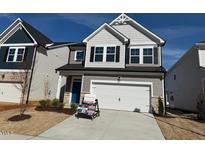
x: 122, y: 96
x: 10, y: 93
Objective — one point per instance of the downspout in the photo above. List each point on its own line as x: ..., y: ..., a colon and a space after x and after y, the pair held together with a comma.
x: 32, y: 69
x: 165, y: 96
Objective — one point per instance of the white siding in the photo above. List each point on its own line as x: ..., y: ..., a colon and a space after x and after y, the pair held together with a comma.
x: 44, y: 70
x: 105, y: 38
x: 133, y: 34
x: 202, y: 58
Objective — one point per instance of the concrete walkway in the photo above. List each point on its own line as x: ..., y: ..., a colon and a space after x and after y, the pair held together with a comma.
x: 110, y: 125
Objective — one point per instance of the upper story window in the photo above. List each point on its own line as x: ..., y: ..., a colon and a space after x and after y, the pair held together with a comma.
x: 98, y: 54
x: 16, y: 54
x: 111, y: 52
x: 79, y: 55
x: 175, y: 76
x: 135, y: 56
x: 147, y: 55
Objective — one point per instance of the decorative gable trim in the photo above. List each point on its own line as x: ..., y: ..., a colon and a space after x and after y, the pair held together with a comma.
x: 105, y: 25
x: 123, y: 19
x: 13, y: 30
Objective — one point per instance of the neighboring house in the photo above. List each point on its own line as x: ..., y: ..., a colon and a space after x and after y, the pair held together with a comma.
x: 185, y: 80
x: 23, y: 51
x: 120, y: 63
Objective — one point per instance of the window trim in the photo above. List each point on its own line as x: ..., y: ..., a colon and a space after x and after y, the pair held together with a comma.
x: 105, y: 52
x: 75, y: 58
x: 130, y: 56
x: 99, y: 54
x: 15, y: 54
x: 111, y: 54
x: 141, y: 62
x: 148, y: 55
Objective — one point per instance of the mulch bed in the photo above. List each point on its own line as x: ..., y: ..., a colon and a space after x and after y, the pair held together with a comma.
x: 53, y: 109
x: 19, y: 117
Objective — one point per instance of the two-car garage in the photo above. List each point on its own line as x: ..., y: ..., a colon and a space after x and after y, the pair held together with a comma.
x: 130, y: 96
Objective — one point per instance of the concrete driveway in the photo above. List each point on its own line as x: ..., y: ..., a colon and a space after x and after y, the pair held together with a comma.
x: 110, y: 125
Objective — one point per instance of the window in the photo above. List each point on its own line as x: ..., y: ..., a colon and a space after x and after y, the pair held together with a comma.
x: 16, y: 54
x: 147, y: 56
x: 99, y: 54
x: 79, y: 56
x: 135, y: 56
x: 110, y: 57
x: 175, y: 77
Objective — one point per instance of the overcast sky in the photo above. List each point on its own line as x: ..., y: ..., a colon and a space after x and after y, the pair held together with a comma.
x: 180, y: 31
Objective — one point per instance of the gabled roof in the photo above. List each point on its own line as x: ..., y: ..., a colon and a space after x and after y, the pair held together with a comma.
x: 36, y: 35
x: 121, y: 19
x: 105, y: 25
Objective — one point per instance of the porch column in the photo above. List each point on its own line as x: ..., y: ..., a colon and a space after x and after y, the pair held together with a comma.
x: 59, y: 87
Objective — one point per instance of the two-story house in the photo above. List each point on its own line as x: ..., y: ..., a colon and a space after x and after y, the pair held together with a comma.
x: 24, y: 57
x: 120, y: 63
x: 185, y: 80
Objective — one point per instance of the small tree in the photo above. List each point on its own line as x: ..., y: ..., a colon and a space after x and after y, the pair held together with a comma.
x: 46, y: 88
x: 160, y: 106
x: 201, y: 106
x: 23, y: 77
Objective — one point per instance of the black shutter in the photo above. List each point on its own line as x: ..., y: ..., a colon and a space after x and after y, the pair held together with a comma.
x: 92, y: 54
x: 25, y: 54
x: 117, y: 54
x: 6, y: 53
x: 156, y: 55
x: 127, y: 55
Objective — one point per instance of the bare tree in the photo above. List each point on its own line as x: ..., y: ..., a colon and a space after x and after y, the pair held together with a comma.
x: 46, y: 88
x: 23, y: 79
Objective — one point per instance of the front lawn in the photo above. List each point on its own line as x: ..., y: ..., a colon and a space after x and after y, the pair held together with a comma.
x: 181, y: 126
x: 36, y: 121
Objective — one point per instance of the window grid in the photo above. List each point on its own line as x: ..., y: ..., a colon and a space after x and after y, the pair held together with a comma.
x: 111, y: 54
x: 16, y: 54
x: 135, y: 55
x: 98, y: 54
x: 147, y: 56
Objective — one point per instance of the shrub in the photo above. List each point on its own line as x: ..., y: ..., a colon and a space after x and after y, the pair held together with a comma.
x: 73, y: 106
x: 201, y: 106
x: 160, y: 106
x: 57, y: 103
x: 44, y: 103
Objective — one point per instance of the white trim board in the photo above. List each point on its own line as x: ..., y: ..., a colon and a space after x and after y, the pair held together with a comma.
x: 13, y: 70
x: 127, y: 18
x: 20, y: 23
x: 17, y: 44
x: 102, y: 27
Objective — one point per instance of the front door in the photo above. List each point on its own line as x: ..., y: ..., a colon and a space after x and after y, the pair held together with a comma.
x: 76, y: 92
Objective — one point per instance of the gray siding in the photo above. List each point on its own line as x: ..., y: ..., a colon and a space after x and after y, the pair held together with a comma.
x: 46, y: 63
x: 157, y: 83
x: 188, y: 83
x: 102, y: 38
x: 134, y: 35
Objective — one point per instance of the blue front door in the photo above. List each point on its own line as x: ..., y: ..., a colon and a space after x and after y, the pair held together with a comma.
x: 76, y: 92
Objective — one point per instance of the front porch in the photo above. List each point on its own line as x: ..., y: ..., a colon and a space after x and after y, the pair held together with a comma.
x: 72, y: 93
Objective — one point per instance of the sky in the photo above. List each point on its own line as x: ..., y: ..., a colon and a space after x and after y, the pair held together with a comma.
x: 180, y: 31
